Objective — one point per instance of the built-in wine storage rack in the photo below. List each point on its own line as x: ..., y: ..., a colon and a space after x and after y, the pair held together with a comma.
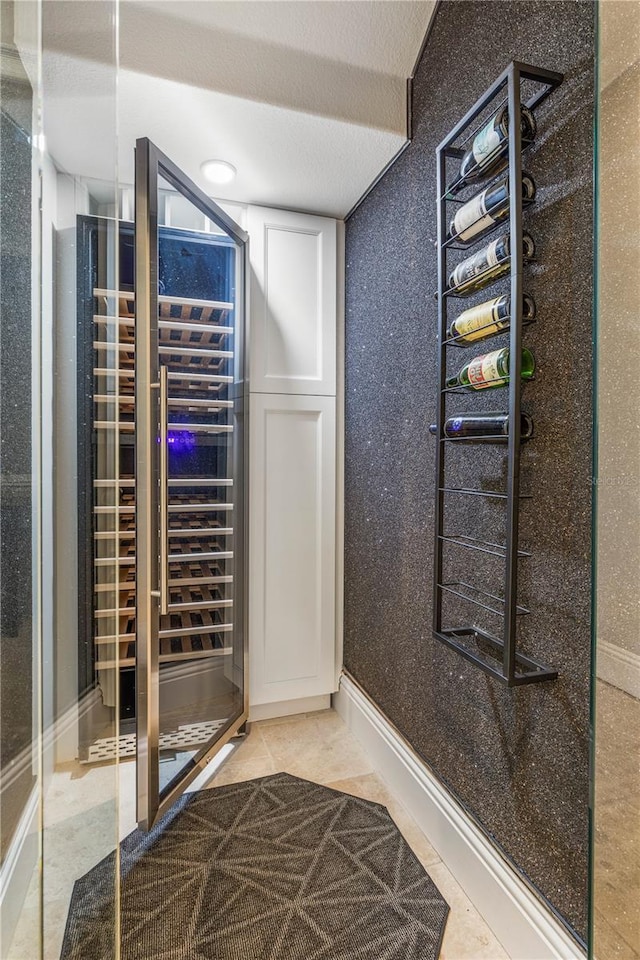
x: 495, y: 654
x: 201, y: 349
x: 195, y: 338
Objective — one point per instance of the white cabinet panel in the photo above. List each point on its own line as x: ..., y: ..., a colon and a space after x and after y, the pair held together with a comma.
x: 293, y: 302
x: 292, y: 547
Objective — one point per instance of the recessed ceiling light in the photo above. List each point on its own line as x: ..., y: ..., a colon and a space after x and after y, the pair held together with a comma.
x: 218, y: 171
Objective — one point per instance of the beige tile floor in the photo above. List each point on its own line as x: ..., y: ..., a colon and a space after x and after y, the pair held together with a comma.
x: 80, y: 819
x: 81, y: 822
x: 318, y: 747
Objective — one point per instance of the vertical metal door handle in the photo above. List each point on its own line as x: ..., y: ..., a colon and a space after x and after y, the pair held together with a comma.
x: 164, y: 492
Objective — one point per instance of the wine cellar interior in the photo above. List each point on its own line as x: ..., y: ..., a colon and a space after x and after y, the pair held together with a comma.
x: 319, y: 469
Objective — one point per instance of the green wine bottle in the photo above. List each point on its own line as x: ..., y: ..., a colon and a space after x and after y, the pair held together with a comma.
x: 491, y: 370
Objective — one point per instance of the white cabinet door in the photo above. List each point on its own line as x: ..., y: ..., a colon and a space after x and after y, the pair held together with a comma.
x: 292, y: 547
x: 293, y: 302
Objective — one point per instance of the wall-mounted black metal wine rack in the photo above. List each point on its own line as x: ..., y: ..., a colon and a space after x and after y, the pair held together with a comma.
x: 495, y: 655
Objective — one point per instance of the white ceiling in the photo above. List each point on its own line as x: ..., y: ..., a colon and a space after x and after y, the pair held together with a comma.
x: 284, y: 157
x: 307, y: 98
x: 374, y: 36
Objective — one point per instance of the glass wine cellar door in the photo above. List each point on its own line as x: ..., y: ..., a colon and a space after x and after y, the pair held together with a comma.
x: 189, y: 490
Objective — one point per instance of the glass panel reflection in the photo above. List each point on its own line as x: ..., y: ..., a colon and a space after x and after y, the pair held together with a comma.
x: 616, y: 815
x: 201, y: 688
x: 19, y: 639
x: 64, y: 104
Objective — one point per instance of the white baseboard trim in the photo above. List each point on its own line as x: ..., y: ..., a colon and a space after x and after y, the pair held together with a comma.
x: 17, y: 870
x: 288, y: 708
x: 619, y: 667
x: 517, y: 917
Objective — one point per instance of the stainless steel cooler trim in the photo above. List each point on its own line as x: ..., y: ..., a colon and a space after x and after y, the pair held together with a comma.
x: 164, y: 492
x: 146, y: 480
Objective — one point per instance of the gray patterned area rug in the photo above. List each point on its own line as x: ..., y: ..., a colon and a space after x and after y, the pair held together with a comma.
x: 271, y: 869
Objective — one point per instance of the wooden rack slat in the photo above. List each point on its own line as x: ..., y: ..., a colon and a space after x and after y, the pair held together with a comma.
x: 127, y: 300
x: 200, y: 326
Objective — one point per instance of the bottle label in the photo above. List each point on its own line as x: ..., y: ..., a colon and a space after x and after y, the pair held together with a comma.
x: 486, y: 142
x: 477, y: 264
x: 484, y: 371
x: 472, y: 217
x: 480, y: 321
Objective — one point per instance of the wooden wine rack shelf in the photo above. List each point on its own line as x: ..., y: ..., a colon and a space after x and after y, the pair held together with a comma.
x: 199, y: 596
x: 186, y: 331
x: 174, y: 308
x: 178, y: 358
x: 196, y: 385
x: 180, y: 574
x: 171, y: 651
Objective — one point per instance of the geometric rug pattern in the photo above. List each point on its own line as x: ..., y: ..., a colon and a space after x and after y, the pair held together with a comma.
x: 271, y: 869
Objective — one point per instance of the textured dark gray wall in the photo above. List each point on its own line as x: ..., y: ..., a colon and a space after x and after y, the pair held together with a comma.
x: 517, y: 759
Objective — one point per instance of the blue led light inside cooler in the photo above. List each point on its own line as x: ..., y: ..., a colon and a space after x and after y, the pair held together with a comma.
x: 179, y: 441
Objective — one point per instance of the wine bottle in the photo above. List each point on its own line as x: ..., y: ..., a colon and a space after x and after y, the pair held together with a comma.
x: 474, y: 425
x: 489, y: 318
x: 487, y: 265
x: 491, y: 370
x: 490, y: 144
x: 486, y: 208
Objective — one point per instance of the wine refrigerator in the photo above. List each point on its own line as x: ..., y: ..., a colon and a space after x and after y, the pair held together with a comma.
x: 161, y: 360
